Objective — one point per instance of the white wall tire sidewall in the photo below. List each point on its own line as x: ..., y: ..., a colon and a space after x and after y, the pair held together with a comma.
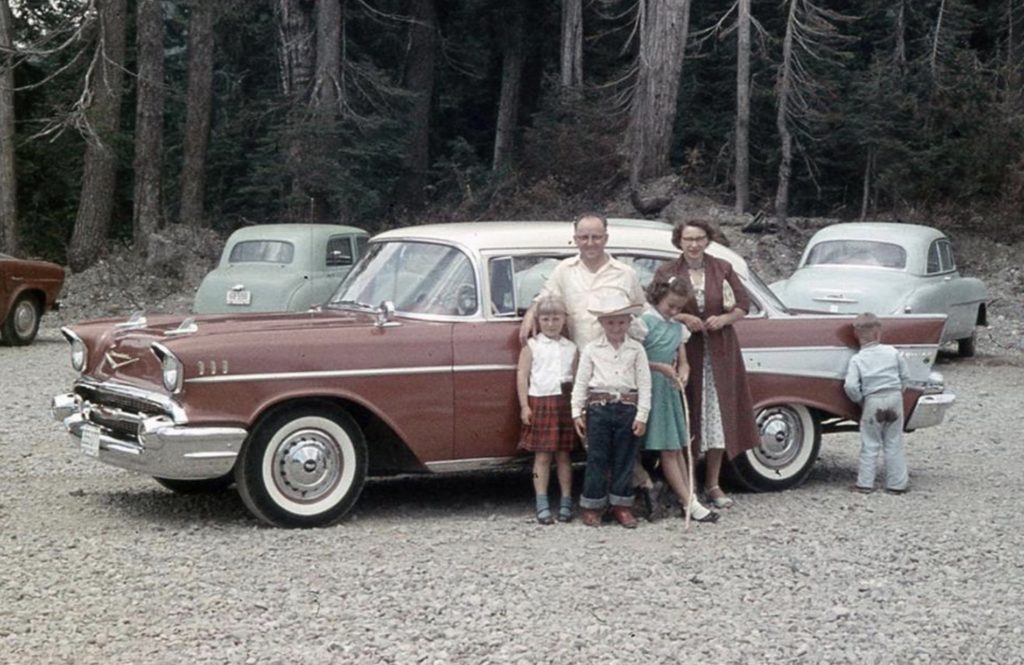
x: 799, y: 464
x: 333, y: 498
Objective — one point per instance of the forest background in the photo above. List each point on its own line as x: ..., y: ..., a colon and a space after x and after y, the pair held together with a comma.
x: 121, y: 118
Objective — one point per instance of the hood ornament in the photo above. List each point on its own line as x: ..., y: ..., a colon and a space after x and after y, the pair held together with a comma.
x: 118, y: 360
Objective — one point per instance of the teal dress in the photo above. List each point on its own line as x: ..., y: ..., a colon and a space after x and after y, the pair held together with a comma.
x: 666, y: 425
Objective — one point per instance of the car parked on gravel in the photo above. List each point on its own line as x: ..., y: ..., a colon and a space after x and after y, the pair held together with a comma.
x: 28, y: 289
x: 411, y: 368
x: 887, y: 268
x: 280, y: 267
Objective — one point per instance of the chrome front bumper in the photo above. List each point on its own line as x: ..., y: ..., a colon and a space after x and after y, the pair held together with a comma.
x: 930, y: 410
x: 154, y: 445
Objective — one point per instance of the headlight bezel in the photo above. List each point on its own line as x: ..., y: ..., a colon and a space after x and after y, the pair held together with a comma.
x: 79, y: 351
x: 172, y: 370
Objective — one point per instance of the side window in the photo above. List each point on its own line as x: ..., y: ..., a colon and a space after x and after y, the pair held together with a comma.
x: 361, y: 243
x: 934, y: 263
x: 339, y: 251
x: 645, y: 266
x: 946, y: 256
x: 516, y: 280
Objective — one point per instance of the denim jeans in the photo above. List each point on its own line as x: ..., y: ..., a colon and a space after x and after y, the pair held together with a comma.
x: 611, y: 452
x: 881, y: 430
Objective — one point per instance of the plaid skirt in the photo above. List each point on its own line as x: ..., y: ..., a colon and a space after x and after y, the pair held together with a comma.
x: 552, y: 427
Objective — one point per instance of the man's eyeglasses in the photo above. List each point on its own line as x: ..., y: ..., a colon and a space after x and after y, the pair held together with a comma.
x: 591, y: 237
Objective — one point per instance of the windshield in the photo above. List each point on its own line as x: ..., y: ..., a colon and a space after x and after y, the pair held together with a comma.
x: 857, y: 253
x: 417, y: 277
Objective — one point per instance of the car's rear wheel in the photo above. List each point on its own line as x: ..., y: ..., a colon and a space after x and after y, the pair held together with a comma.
x: 22, y: 323
x: 302, y: 467
x: 790, y: 440
x: 967, y: 346
x: 204, y: 486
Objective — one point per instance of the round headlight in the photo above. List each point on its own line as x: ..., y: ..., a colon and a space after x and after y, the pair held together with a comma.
x: 79, y: 354
x: 170, y: 368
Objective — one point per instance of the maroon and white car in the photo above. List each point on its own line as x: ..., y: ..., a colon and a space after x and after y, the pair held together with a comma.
x: 410, y: 368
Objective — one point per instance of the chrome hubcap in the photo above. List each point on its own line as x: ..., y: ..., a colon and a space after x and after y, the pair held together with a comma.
x: 24, y: 318
x: 307, y: 465
x: 782, y: 435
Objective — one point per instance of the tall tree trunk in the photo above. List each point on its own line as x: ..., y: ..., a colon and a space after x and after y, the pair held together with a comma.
x: 296, y: 28
x: 743, y: 106
x: 326, y: 99
x: 8, y: 180
x: 785, y: 87
x: 99, y: 172
x: 147, y: 215
x: 571, y: 66
x: 933, y: 59
x: 663, y: 28
x: 197, y: 114
x: 419, y: 81
x: 900, y: 53
x: 511, y: 83
x: 865, y: 197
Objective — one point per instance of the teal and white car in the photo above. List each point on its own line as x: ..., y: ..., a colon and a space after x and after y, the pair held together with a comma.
x: 280, y: 267
x: 887, y: 268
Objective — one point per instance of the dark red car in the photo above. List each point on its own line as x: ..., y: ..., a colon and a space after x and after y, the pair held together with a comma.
x: 411, y: 368
x: 27, y: 290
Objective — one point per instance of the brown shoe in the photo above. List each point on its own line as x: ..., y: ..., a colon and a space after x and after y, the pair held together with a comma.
x: 591, y: 517
x: 624, y: 516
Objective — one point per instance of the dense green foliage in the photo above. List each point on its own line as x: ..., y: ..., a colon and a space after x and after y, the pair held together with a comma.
x: 932, y: 113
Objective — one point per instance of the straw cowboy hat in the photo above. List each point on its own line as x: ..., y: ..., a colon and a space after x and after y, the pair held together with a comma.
x: 609, y: 302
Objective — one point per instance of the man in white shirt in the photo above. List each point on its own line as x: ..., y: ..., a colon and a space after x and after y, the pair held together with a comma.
x: 577, y: 278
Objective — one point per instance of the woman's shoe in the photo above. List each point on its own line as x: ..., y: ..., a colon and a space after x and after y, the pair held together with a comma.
x: 544, y: 516
x: 718, y: 498
x: 564, y: 513
x: 699, y: 513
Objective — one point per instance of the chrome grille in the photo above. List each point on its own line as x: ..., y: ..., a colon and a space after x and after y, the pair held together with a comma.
x: 122, y: 402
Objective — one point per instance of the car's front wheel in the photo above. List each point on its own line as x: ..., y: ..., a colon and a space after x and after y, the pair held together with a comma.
x: 22, y: 322
x: 302, y: 467
x: 790, y: 440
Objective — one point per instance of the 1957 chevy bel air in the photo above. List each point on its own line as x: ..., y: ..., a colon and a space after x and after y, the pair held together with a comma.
x: 410, y: 367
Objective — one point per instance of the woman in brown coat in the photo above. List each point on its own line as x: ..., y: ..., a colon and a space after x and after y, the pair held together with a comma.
x: 721, y: 412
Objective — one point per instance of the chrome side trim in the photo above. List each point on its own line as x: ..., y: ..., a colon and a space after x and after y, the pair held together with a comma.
x: 474, y: 464
x: 344, y: 373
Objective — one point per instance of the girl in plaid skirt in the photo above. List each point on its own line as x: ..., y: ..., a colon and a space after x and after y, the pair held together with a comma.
x: 544, y: 380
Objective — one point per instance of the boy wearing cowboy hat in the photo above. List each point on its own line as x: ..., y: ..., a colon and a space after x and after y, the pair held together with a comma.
x: 611, y: 398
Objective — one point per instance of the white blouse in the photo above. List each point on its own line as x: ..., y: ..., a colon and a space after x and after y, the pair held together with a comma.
x: 552, y: 365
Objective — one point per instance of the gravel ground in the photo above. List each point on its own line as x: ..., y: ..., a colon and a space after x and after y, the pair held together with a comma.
x: 102, y: 566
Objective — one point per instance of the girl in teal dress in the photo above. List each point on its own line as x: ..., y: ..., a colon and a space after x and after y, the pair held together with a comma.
x: 663, y: 339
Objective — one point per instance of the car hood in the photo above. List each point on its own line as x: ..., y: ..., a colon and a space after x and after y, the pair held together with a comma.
x: 123, y: 352
x: 844, y: 290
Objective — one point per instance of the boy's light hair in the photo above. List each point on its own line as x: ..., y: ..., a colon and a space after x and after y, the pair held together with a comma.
x: 866, y: 321
x: 549, y: 305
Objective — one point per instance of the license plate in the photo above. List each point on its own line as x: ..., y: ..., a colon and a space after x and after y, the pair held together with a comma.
x: 239, y: 297
x: 91, y: 440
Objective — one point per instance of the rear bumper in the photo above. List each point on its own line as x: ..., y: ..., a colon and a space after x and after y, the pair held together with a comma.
x: 930, y: 410
x: 153, y: 445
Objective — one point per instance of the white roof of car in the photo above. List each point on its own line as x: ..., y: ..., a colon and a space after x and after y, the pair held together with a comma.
x: 623, y: 235
x: 901, y: 234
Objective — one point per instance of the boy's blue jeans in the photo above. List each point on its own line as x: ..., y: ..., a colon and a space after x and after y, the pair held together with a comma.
x: 611, y: 451
x: 881, y: 430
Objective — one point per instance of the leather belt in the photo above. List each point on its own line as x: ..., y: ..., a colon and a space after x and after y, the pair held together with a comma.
x: 602, y: 398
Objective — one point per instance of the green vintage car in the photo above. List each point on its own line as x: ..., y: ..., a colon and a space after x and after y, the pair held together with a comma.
x: 280, y: 267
